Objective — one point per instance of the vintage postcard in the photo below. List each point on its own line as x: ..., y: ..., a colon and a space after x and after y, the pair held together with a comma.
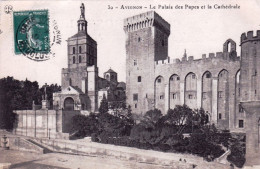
x: 130, y: 84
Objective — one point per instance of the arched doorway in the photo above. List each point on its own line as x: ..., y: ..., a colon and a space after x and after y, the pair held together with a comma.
x: 68, y: 104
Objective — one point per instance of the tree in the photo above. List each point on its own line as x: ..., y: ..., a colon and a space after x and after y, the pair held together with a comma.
x: 151, y: 117
x: 83, y: 126
x: 181, y: 116
x: 19, y: 95
x: 103, y: 105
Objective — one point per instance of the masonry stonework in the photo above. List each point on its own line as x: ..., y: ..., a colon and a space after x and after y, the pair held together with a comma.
x: 211, y: 82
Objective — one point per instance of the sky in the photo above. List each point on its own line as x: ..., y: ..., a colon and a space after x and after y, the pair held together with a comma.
x: 199, y: 31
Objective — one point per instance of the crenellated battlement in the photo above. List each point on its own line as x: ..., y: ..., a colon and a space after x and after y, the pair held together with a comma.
x: 250, y: 36
x: 190, y: 60
x: 145, y: 20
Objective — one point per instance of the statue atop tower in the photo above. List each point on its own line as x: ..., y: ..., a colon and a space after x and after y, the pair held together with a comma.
x: 82, y: 9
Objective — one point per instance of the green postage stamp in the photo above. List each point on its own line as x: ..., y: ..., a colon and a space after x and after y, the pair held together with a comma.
x: 31, y: 33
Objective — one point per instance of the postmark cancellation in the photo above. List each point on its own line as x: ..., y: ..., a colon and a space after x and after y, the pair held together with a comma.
x: 31, y: 34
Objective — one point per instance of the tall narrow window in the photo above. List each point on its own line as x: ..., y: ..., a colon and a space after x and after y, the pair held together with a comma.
x: 135, y: 62
x: 220, y: 93
x: 204, y: 95
x: 79, y: 49
x: 174, y: 96
x: 241, y: 123
x: 79, y: 59
x: 139, y: 79
x: 240, y: 108
x: 135, y: 97
x: 219, y: 116
x: 162, y: 42
x: 73, y: 50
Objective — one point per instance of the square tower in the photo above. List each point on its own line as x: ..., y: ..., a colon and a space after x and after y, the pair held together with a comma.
x: 146, y: 42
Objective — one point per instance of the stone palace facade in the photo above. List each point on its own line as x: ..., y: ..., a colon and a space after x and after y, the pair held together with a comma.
x: 212, y: 82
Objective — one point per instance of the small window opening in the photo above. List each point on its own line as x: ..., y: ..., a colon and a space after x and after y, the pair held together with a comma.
x: 204, y: 95
x: 219, y: 116
x: 79, y: 49
x: 190, y: 96
x: 220, y: 93
x: 241, y: 123
x: 135, y: 62
x: 240, y: 108
x: 79, y: 59
x: 135, y: 97
x: 139, y: 79
x: 208, y: 75
x: 174, y: 96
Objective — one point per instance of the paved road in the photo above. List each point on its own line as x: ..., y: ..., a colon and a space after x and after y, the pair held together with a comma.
x: 26, y: 160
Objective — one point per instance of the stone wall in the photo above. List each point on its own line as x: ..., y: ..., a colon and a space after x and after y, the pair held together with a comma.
x: 44, y: 123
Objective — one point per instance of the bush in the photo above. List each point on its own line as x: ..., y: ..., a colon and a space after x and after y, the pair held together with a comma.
x: 200, y: 146
x: 83, y: 125
x: 237, y: 155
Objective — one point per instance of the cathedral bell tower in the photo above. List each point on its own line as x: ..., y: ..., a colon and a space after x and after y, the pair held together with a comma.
x: 79, y: 80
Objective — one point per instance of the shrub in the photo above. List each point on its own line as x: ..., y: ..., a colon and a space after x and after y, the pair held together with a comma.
x: 198, y: 144
x: 237, y: 155
x: 83, y: 125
